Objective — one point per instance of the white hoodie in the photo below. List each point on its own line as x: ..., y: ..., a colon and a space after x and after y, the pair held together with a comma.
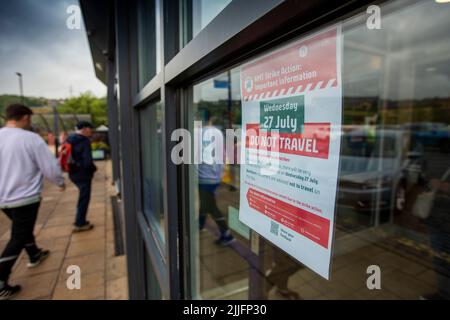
x: 24, y: 160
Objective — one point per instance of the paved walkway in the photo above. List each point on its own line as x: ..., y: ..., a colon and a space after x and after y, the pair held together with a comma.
x: 103, y: 275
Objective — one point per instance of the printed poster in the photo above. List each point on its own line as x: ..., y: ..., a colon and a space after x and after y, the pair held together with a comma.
x: 291, y: 117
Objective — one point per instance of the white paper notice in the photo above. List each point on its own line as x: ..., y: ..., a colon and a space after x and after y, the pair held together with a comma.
x: 291, y: 116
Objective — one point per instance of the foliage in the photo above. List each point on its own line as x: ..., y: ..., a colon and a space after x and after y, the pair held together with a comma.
x: 7, y: 99
x: 87, y: 103
x: 99, y: 146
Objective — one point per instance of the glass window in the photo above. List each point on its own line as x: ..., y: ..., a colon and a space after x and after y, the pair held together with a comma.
x: 395, y: 149
x: 148, y: 40
x: 197, y: 14
x: 152, y: 167
x: 219, y: 273
x: 153, y: 290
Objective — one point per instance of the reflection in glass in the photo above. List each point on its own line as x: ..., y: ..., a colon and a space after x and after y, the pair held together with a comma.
x: 148, y: 40
x: 197, y: 14
x: 152, y: 167
x: 395, y: 158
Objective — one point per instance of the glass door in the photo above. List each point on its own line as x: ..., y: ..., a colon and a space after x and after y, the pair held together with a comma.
x: 394, y: 147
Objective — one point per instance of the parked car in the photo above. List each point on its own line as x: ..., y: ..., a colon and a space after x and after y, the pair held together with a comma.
x: 375, y: 169
x: 430, y: 134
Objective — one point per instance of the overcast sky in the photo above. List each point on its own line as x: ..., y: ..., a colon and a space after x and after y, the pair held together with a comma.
x: 35, y: 41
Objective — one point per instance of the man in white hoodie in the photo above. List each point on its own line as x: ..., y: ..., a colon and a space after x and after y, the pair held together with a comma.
x: 24, y: 160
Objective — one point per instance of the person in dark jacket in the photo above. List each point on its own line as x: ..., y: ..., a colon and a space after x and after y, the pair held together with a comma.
x: 82, y: 172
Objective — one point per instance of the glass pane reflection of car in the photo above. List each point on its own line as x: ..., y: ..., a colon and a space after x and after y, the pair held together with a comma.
x: 375, y: 169
x: 430, y: 134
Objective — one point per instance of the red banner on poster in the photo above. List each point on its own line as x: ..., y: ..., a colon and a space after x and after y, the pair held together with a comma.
x: 308, y: 224
x: 307, y: 65
x: 313, y: 142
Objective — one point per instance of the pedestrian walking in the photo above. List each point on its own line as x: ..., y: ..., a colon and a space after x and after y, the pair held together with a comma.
x: 24, y: 161
x: 82, y: 172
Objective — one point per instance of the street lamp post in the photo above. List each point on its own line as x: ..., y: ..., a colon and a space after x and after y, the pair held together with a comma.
x: 55, y: 127
x: 20, y: 85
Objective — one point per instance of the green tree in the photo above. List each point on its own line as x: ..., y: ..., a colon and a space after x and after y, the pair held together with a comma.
x: 87, y: 103
x: 7, y: 99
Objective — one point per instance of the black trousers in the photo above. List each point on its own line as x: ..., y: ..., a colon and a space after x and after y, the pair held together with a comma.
x: 208, y: 205
x: 84, y: 187
x: 23, y: 221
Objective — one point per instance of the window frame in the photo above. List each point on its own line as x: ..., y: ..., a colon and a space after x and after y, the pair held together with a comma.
x: 217, y: 48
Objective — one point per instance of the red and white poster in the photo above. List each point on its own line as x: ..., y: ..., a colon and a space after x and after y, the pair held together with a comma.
x: 291, y: 117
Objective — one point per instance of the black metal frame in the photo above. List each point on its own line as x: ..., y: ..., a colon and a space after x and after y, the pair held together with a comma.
x: 257, y: 26
x: 136, y: 275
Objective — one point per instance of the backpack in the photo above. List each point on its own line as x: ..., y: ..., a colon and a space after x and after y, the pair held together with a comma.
x: 66, y: 160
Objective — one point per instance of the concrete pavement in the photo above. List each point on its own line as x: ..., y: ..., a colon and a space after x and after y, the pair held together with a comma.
x: 103, y: 275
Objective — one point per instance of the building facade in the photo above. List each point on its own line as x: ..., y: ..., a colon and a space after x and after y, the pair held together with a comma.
x: 171, y: 64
